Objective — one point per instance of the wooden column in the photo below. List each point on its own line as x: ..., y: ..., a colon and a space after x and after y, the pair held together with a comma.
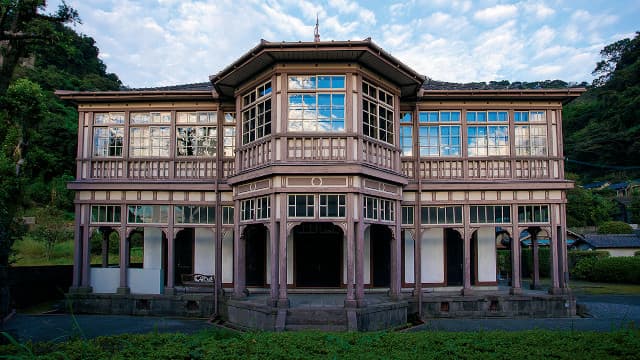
x: 535, y: 277
x: 516, y: 285
x: 562, y: 253
x: 86, y: 249
x: 274, y: 237
x: 77, y: 249
x: 171, y: 262
x: 105, y: 245
x: 466, y: 236
x: 349, y: 237
x: 553, y: 249
x: 283, y: 297
x: 239, y: 288
x: 396, y: 253
x: 360, y: 262
x: 124, y: 261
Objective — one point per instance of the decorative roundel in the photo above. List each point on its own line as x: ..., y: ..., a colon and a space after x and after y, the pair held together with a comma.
x: 316, y: 181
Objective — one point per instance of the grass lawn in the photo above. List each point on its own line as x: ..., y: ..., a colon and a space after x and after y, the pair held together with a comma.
x: 593, y: 288
x: 224, y: 344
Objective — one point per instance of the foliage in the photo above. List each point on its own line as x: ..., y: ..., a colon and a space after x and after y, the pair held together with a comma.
x: 623, y: 269
x: 615, y: 227
x: 575, y: 256
x: 634, y: 207
x: 637, y: 253
x: 588, y: 208
x: 51, y: 228
x: 603, y: 126
x: 544, y: 264
x: 223, y: 344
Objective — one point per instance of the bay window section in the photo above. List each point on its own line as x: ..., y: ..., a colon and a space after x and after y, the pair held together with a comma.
x: 530, y: 138
x: 108, y: 134
x: 485, y: 139
x: 439, y: 133
x: 256, y: 113
x: 377, y: 113
x: 316, y: 103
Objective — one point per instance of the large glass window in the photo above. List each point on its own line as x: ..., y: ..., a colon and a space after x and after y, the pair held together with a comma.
x: 487, y: 140
x: 196, y: 140
x: 406, y: 133
x: 490, y: 214
x: 439, y: 133
x: 531, y: 138
x: 439, y: 215
x: 332, y: 206
x: 301, y: 205
x: 533, y: 214
x: 108, y: 134
x: 256, y: 113
x: 229, y: 136
x: 149, y: 141
x: 148, y: 214
x: 109, y: 214
x: 316, y: 103
x: 377, y: 113
x: 195, y: 214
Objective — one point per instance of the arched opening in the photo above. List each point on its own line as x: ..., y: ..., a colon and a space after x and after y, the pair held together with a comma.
x: 504, y: 255
x: 380, y: 240
x: 454, y: 249
x: 317, y: 253
x: 105, y: 247
x: 255, y: 239
x: 183, y: 253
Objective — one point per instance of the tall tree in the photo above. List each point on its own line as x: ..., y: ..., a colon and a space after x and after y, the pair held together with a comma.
x: 22, y: 22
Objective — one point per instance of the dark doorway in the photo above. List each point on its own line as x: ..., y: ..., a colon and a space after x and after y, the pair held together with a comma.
x: 380, y: 237
x: 184, y: 253
x: 317, y: 255
x: 455, y: 255
x: 256, y: 255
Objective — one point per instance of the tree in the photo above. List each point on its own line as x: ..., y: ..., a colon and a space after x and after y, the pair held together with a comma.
x: 22, y: 22
x: 614, y: 227
x: 586, y: 208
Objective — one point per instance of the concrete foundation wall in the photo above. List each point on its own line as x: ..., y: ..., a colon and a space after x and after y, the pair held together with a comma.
x: 432, y: 256
x: 204, y: 251
x: 487, y: 254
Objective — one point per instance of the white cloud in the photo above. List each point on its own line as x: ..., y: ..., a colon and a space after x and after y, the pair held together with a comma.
x: 496, y: 13
x: 543, y: 37
x: 539, y: 9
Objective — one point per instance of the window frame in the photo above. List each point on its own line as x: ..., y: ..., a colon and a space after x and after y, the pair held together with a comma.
x: 295, y: 205
x: 257, y: 109
x: 377, y: 108
x: 341, y: 206
x: 439, y: 121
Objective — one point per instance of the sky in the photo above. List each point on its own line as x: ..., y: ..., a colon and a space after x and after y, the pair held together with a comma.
x: 166, y: 42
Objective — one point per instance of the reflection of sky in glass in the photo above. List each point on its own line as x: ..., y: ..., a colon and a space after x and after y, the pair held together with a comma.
x: 322, y: 112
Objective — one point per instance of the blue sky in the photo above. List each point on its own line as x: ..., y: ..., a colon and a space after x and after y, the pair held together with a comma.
x: 165, y: 42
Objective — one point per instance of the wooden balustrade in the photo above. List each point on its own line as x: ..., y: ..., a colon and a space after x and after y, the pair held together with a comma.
x: 255, y: 154
x: 441, y: 169
x: 228, y: 168
x: 107, y: 169
x: 407, y: 168
x: 141, y: 169
x: 490, y: 169
x: 316, y: 148
x: 195, y: 169
x: 380, y: 154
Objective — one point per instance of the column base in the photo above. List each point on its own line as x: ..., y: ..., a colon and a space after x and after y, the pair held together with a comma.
x: 240, y: 295
x: 466, y: 292
x: 283, y: 303
x: 169, y: 291
x: 534, y: 286
x: 515, y: 291
x: 560, y: 291
x: 350, y: 303
x: 123, y: 291
x: 361, y: 303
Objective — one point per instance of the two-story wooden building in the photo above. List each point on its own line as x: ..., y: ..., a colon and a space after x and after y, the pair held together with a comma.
x: 322, y: 168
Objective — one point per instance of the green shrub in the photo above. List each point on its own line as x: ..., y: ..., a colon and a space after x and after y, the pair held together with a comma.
x: 623, y: 269
x: 615, y: 227
x: 637, y: 253
x: 575, y: 256
x: 526, y: 261
x: 28, y: 247
x: 504, y: 261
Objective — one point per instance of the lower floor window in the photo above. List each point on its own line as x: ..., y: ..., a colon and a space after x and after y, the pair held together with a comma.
x: 195, y: 215
x: 332, y: 205
x: 436, y: 215
x: 148, y: 214
x: 533, y: 214
x: 301, y: 205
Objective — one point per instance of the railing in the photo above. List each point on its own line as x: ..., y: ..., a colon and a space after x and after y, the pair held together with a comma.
x: 107, y: 169
x: 255, y: 154
x: 490, y: 169
x: 228, y: 168
x: 407, y: 168
x: 148, y: 169
x: 316, y: 148
x: 380, y: 154
x: 532, y: 169
x: 441, y: 169
x: 195, y: 169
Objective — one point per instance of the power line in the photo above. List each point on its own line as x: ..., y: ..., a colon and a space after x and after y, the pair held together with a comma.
x: 613, y: 167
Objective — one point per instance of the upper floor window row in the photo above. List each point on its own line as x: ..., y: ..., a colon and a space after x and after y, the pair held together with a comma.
x: 316, y: 82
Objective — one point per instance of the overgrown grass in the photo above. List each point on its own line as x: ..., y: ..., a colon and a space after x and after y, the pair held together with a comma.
x: 222, y: 344
x: 594, y: 288
x: 33, y: 252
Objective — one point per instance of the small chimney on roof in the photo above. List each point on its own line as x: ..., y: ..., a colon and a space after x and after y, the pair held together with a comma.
x: 316, y: 31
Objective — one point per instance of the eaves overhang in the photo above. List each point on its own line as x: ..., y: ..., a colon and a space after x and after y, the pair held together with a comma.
x: 138, y: 95
x: 364, y: 52
x: 562, y: 95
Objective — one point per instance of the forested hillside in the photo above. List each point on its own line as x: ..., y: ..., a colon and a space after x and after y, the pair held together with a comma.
x: 602, y: 127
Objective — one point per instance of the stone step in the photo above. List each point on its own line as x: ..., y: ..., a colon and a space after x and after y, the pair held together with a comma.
x: 317, y: 316
x: 316, y: 327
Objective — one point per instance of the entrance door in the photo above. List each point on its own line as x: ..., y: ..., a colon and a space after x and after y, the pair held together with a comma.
x: 455, y: 256
x: 256, y: 255
x: 317, y: 255
x: 380, y: 237
x: 184, y: 253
